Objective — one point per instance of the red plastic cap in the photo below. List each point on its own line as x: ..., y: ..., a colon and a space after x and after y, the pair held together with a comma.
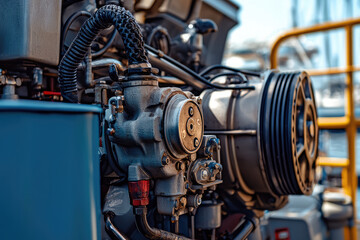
x: 282, y: 234
x: 139, y: 192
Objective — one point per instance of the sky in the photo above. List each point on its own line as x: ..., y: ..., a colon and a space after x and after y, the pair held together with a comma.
x: 261, y: 20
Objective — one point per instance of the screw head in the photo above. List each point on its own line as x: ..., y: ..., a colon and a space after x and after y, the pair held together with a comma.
x: 191, y: 111
x: 180, y: 166
x: 198, y: 200
x: 196, y: 142
x: 165, y: 160
x: 204, y: 174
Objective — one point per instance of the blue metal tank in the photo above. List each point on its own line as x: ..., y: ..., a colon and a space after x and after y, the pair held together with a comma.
x: 49, y: 170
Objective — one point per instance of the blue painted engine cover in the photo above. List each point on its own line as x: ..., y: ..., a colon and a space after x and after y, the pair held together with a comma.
x: 49, y: 170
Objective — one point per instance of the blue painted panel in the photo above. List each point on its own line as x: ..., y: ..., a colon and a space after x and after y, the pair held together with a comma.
x: 49, y: 171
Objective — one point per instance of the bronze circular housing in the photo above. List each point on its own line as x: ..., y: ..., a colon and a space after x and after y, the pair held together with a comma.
x: 183, y: 126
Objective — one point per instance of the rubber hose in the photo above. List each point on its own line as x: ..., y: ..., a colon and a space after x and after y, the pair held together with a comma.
x: 106, y: 16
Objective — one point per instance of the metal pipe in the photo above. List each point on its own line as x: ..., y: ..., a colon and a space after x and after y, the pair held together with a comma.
x: 175, y: 71
x: 149, y: 232
x: 104, y: 62
x: 110, y: 227
x: 196, y: 78
x: 244, y: 230
x: 170, y: 80
x: 231, y: 132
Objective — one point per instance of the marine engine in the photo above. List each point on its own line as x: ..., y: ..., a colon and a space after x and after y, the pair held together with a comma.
x: 187, y: 148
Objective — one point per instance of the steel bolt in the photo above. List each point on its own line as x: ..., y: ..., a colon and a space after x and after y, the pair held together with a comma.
x: 196, y: 142
x: 180, y: 166
x: 165, y: 160
x: 204, y: 174
x: 191, y: 111
x: 198, y: 200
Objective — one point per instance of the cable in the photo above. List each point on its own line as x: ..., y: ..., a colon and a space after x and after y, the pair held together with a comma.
x: 69, y: 22
x: 219, y: 66
x: 106, y: 47
x: 160, y: 54
x: 237, y: 74
x: 162, y: 30
x: 103, y: 18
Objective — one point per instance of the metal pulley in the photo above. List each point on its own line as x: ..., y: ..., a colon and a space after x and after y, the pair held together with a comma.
x: 269, y: 137
x: 289, y: 133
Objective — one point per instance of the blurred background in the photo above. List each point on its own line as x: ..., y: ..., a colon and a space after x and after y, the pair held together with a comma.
x: 261, y: 22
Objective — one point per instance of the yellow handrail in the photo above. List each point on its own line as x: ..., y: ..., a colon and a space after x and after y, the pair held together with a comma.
x: 348, y: 122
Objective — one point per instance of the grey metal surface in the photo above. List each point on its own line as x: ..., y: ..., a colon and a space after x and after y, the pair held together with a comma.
x: 254, y: 138
x: 118, y: 201
x: 208, y: 215
x: 301, y: 216
x: 337, y: 210
x: 32, y: 30
x: 49, y: 171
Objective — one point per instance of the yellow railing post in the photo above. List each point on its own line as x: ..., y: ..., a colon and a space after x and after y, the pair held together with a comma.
x: 351, y: 128
x: 349, y: 121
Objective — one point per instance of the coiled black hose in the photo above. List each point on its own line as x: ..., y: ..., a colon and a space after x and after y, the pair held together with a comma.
x: 106, y: 16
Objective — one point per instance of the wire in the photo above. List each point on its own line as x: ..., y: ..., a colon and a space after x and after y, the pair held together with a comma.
x: 164, y: 32
x: 160, y: 54
x: 229, y: 74
x: 106, y: 47
x: 69, y: 22
x: 219, y: 66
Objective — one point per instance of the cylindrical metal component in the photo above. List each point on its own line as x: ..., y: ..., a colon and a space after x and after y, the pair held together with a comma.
x: 275, y: 146
x: 208, y: 215
x: 183, y: 126
x: 150, y: 232
x: 109, y: 226
x: 175, y: 71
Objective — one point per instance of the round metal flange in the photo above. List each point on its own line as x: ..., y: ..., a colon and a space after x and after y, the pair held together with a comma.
x: 183, y: 126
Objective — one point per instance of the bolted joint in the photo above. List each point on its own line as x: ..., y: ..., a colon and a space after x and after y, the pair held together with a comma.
x: 165, y: 160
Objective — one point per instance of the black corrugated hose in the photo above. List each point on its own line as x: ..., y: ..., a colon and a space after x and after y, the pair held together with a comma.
x: 106, y: 16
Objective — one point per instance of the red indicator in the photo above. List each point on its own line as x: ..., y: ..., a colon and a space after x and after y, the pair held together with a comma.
x: 139, y: 192
x: 282, y: 234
